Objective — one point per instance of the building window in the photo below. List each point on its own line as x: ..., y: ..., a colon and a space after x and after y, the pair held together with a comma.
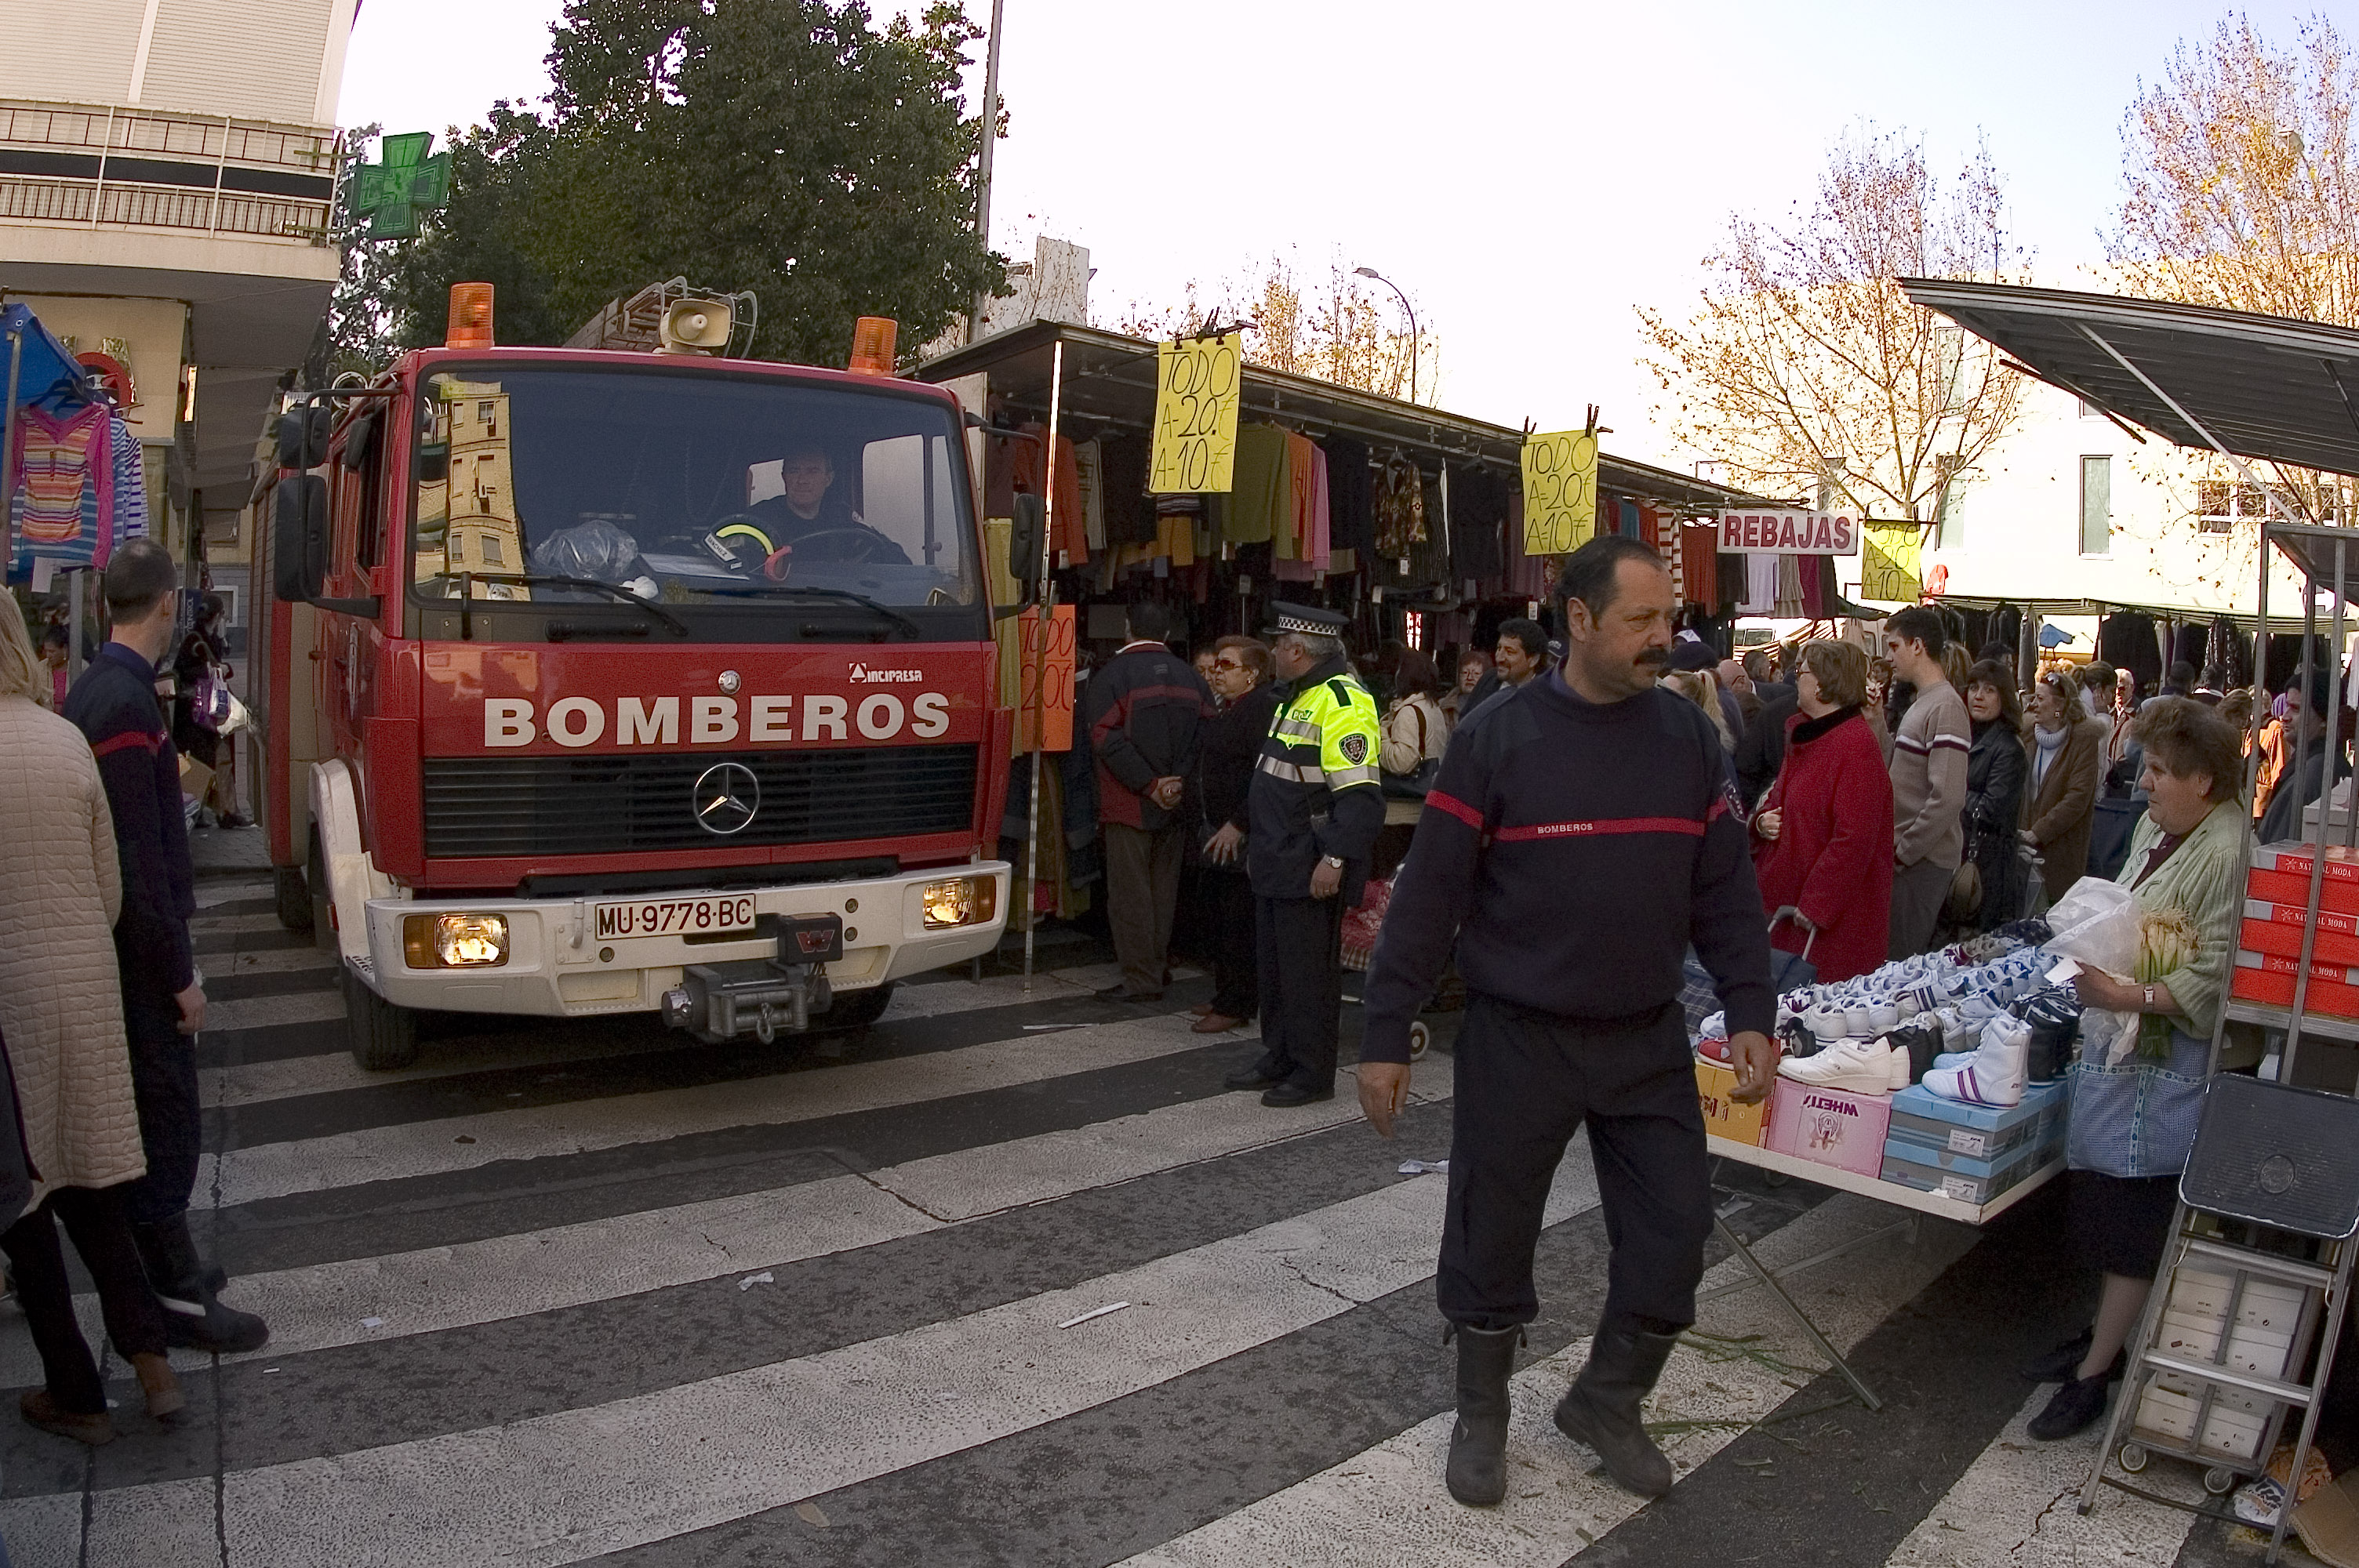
x: 1950, y: 522
x: 2096, y: 506
x: 493, y: 555
x: 2221, y: 505
x: 2090, y: 410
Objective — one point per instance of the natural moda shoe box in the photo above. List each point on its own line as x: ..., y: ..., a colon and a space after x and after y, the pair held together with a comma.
x: 2280, y: 874
x: 2266, y: 978
x: 2233, y: 1433
x: 1962, y: 1176
x: 1723, y: 1117
x: 1833, y: 1127
x: 2203, y: 1297
x: 1981, y: 1131
x: 2277, y: 928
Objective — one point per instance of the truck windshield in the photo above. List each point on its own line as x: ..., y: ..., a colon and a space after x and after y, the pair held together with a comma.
x: 688, y: 489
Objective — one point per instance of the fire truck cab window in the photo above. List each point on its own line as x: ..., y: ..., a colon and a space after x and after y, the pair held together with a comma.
x: 718, y: 496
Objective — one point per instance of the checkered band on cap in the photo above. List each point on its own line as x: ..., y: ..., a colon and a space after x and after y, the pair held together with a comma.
x: 1308, y: 620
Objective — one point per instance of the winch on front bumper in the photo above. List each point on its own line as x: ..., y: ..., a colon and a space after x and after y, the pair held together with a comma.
x: 718, y: 1002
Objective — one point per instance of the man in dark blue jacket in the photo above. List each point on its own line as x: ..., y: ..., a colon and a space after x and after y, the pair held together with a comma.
x: 1143, y: 707
x: 1580, y: 837
x: 114, y: 704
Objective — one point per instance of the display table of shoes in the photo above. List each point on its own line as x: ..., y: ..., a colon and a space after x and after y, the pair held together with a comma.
x: 1934, y: 1083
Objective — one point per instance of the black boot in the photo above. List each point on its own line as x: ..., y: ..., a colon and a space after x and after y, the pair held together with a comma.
x: 194, y: 1318
x: 1602, y: 1408
x: 1478, y: 1444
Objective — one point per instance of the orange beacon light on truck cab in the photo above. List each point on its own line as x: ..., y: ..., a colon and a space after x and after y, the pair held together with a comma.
x: 470, y: 316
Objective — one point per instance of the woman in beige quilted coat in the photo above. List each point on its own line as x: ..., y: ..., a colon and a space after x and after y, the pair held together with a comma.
x: 61, y: 1017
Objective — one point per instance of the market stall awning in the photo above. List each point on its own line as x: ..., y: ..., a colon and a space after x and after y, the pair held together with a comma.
x: 2265, y: 387
x: 1110, y: 378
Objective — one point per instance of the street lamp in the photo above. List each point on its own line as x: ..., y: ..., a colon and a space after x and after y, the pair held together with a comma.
x: 1410, y: 309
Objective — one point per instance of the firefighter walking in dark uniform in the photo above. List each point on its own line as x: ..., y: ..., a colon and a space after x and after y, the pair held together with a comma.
x: 1580, y: 837
x: 1312, y: 816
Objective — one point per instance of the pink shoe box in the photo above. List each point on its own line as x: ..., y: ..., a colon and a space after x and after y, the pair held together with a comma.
x: 1833, y: 1127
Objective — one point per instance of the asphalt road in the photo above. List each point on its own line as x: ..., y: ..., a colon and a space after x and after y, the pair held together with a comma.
x: 588, y: 1292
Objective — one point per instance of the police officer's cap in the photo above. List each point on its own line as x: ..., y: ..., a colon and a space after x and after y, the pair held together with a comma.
x: 1306, y: 619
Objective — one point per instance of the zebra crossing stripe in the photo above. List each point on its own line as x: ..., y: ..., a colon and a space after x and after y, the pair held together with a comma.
x: 419, y: 1148
x: 1388, y: 1504
x: 442, y: 1288
x: 567, y: 1487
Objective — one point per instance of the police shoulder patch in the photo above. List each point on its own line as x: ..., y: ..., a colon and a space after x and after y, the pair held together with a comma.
x: 1355, y: 748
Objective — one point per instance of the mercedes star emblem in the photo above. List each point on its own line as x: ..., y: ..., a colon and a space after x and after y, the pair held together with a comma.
x: 726, y: 798
x: 729, y: 681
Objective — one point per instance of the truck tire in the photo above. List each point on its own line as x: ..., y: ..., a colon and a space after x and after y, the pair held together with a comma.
x: 854, y: 1009
x: 315, y: 877
x: 293, y: 895
x: 383, y: 1036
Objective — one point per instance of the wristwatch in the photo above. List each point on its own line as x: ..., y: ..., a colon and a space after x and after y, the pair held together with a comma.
x: 2149, y: 996
x: 1334, y: 860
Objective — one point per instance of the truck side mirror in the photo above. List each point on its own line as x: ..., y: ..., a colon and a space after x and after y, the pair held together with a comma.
x: 303, y: 436
x: 1025, y: 540
x: 299, y: 541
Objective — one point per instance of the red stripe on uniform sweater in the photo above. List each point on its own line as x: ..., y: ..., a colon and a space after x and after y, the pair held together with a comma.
x: 128, y: 738
x: 1686, y: 825
x: 1456, y: 807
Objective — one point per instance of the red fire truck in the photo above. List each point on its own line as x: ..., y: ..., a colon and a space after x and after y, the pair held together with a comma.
x: 602, y: 682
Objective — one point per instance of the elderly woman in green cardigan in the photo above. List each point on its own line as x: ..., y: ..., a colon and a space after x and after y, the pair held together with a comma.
x: 2133, y: 1119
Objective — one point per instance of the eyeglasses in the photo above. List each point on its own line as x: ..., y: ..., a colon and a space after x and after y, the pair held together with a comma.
x: 1228, y: 665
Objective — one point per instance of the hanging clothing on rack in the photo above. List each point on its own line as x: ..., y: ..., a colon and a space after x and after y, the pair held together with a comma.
x: 1699, y: 566
x: 1350, y: 496
x: 1089, y: 473
x: 1760, y: 585
x: 1400, y: 507
x: 1789, y: 588
x: 1258, y: 493
x: 63, y: 509
x: 130, y: 483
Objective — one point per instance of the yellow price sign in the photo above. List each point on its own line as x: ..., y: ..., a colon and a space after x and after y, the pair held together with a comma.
x: 1891, y: 563
x: 1197, y: 383
x: 1559, y: 491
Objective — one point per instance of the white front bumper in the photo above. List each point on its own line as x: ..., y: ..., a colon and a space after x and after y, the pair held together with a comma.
x: 557, y: 968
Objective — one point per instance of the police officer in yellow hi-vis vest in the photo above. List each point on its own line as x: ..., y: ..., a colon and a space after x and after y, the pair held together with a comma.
x: 1313, y: 815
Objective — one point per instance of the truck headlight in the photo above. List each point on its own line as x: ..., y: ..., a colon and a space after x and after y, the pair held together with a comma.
x: 962, y: 901
x: 454, y: 941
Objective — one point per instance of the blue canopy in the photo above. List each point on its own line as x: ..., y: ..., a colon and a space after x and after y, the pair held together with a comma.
x: 2053, y: 636
x: 46, y: 361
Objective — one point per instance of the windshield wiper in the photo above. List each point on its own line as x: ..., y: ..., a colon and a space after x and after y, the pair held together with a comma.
x: 620, y: 594
x: 845, y: 595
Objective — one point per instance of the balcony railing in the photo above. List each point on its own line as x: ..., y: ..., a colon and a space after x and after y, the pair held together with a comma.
x: 91, y: 166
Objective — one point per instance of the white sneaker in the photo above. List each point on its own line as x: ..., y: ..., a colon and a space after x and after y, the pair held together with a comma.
x: 1863, y: 1066
x: 1995, y: 1074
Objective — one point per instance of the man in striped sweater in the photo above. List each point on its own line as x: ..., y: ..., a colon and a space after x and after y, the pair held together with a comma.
x: 1929, y: 780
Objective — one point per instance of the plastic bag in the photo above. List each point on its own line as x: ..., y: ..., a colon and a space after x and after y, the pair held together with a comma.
x: 597, y: 549
x: 2096, y: 924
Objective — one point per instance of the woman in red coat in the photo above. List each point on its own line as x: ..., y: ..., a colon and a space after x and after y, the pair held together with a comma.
x: 1822, y: 839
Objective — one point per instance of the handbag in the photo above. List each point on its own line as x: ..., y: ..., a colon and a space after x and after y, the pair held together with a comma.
x: 1414, y: 785
x: 1965, y: 899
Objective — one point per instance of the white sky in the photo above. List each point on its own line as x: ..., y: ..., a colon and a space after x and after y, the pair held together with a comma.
x: 1528, y: 171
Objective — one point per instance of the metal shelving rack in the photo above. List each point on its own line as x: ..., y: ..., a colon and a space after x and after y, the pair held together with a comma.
x: 2327, y: 557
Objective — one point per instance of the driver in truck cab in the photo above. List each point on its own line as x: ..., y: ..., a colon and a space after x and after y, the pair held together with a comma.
x: 806, y: 510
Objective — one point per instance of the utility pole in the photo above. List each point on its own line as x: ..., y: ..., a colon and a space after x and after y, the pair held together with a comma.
x: 982, y: 165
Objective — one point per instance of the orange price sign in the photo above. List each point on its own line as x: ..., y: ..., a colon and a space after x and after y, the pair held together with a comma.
x: 1559, y: 491
x: 1197, y: 383
x: 1045, y: 679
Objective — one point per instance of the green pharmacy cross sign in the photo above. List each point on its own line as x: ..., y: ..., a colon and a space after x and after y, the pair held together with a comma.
x: 390, y: 194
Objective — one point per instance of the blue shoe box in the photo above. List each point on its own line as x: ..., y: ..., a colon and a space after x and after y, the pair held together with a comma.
x: 1932, y: 1125
x: 1962, y: 1176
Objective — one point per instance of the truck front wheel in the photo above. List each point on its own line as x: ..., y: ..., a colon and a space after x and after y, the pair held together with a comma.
x: 293, y: 896
x: 854, y: 1010
x: 383, y: 1036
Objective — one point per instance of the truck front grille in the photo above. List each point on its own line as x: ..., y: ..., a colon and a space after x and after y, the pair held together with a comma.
x: 479, y: 808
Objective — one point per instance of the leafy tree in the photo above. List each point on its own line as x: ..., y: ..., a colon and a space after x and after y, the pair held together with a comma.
x: 1341, y: 332
x: 788, y: 146
x: 1808, y: 369
x: 2243, y: 172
